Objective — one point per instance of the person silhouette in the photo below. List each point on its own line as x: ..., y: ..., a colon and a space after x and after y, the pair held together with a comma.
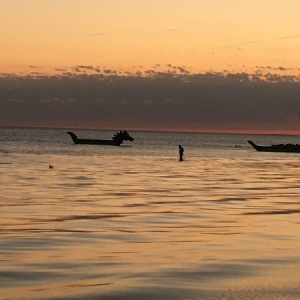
x: 181, y: 150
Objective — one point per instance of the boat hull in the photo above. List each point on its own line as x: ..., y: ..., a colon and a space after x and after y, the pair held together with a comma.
x: 76, y: 140
x: 95, y: 142
x: 287, y: 148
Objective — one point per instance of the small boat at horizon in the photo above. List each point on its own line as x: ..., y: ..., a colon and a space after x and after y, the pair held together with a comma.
x: 289, y: 148
x: 116, y: 140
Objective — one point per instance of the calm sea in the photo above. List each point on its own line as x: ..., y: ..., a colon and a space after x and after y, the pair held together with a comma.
x: 132, y: 222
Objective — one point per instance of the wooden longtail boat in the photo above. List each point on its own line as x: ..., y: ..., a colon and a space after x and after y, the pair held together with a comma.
x: 116, y: 140
x: 292, y: 148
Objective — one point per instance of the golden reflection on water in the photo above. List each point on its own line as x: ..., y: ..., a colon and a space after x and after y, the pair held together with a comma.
x: 131, y: 227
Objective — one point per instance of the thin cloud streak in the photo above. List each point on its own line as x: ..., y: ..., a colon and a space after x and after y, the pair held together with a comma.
x: 260, y: 41
x: 241, y: 44
x: 289, y: 37
x: 94, y: 34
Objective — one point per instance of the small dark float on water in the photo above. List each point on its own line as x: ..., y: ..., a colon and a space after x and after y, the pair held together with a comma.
x: 116, y: 140
x: 291, y: 148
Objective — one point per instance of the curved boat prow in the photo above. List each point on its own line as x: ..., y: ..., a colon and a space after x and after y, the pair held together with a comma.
x: 73, y: 136
x: 253, y: 145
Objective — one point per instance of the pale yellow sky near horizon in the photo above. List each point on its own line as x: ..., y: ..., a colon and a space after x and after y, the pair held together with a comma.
x: 235, y: 35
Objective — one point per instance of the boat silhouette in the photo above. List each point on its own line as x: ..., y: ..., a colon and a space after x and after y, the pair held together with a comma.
x: 116, y: 140
x: 292, y: 148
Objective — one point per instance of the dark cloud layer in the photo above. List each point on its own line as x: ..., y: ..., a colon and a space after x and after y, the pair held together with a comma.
x: 153, y: 100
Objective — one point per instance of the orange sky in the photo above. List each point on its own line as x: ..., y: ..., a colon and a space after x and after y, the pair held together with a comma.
x: 201, y: 35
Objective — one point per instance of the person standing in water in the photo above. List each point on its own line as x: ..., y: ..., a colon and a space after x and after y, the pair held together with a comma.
x: 181, y: 150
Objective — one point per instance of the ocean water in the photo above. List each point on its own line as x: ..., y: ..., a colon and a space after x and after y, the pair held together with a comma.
x: 132, y: 222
